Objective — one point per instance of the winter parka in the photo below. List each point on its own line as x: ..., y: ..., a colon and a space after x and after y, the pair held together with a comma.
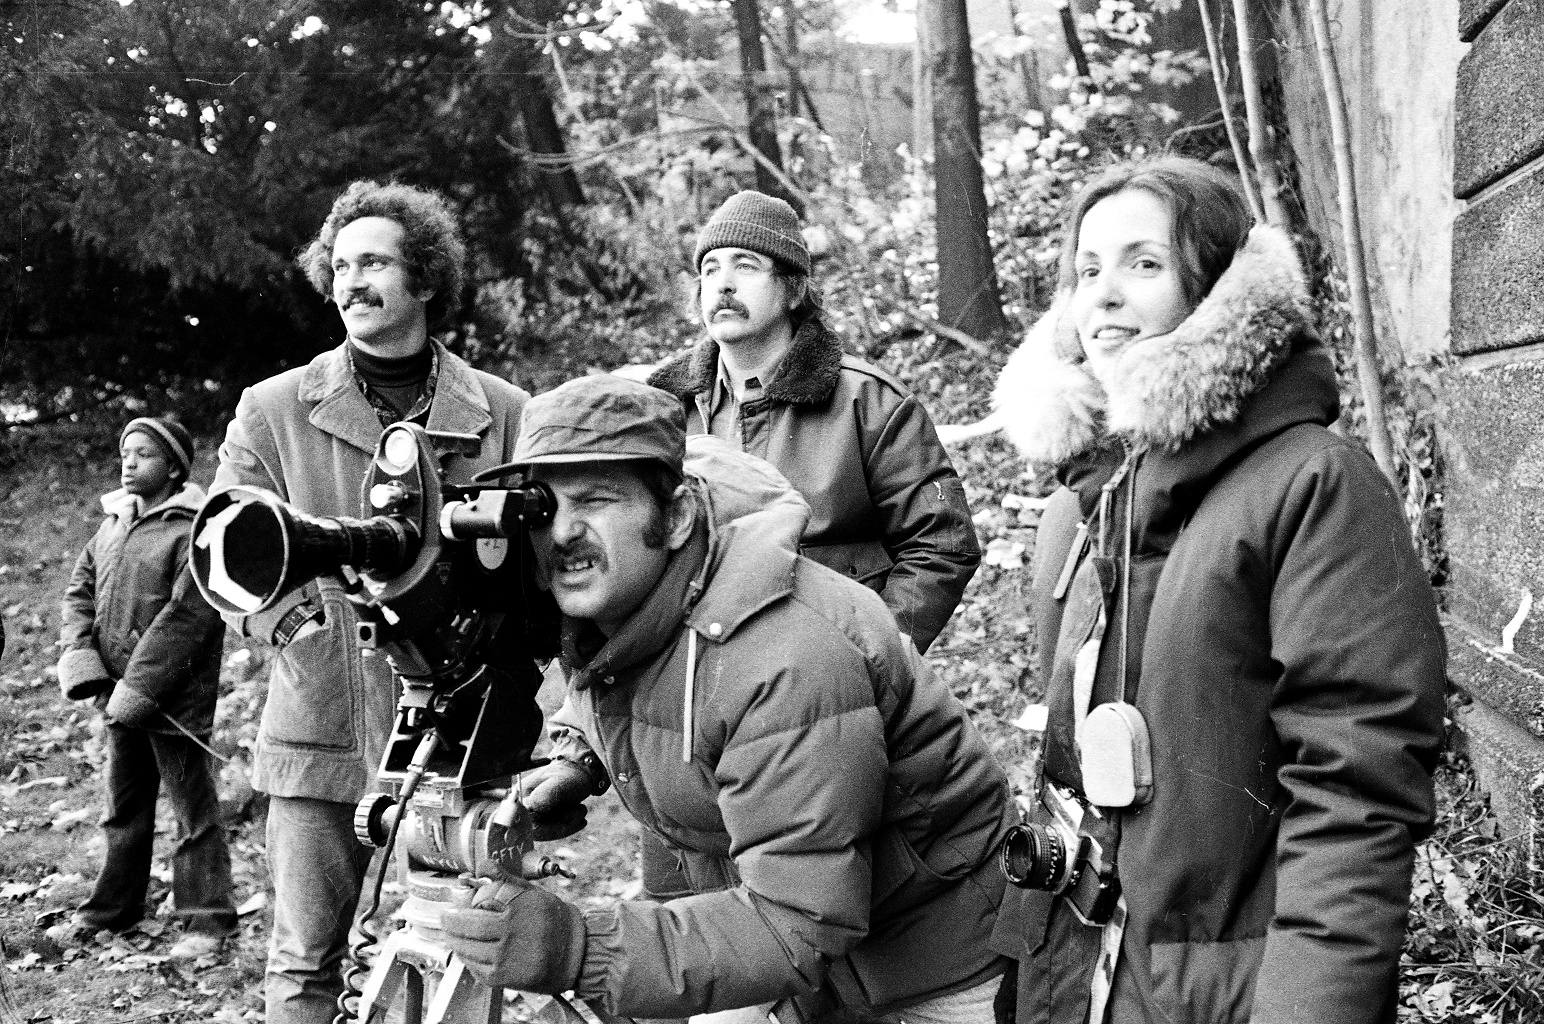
x: 839, y: 813
x: 887, y: 507
x: 308, y: 435
x: 1285, y: 654
x: 132, y: 598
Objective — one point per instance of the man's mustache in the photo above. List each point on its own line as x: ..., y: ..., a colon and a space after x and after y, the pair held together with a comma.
x: 729, y: 304
x: 367, y: 296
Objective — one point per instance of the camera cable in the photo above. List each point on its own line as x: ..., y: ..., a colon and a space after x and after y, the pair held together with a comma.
x: 361, y: 953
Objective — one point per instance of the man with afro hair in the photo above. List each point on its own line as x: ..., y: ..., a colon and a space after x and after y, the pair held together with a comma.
x: 390, y: 257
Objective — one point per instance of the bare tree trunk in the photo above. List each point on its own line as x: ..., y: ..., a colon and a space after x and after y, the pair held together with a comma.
x: 761, y: 116
x: 1367, y: 369
x: 1219, y: 78
x: 1069, y: 24
x: 1262, y: 143
x: 510, y: 54
x: 967, y: 282
x: 1029, y: 63
x: 922, y: 94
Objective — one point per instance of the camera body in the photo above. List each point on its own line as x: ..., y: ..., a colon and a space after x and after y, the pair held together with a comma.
x: 1063, y: 856
x: 441, y: 577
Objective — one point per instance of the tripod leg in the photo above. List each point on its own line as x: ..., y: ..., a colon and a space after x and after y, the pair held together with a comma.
x: 461, y: 999
x: 386, y: 977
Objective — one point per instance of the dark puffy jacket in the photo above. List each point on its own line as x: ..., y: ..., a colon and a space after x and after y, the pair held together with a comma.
x: 886, y: 506
x: 839, y: 813
x: 308, y: 435
x: 1285, y: 654
x: 132, y: 597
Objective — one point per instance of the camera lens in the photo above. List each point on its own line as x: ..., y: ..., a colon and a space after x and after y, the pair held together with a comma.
x: 1035, y: 857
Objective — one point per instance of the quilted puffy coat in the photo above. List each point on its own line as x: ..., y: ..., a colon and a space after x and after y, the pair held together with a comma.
x: 839, y: 814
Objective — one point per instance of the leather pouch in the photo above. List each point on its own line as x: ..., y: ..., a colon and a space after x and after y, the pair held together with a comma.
x: 1116, y: 756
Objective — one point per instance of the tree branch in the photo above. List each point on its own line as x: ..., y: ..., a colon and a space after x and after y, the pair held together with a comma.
x: 1219, y: 78
x: 1367, y: 369
x: 1261, y: 144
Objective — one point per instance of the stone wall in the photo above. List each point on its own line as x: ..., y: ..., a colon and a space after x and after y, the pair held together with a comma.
x: 1495, y: 397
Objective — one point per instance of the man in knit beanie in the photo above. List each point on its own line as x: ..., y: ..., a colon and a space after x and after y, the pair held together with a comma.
x: 772, y: 379
x: 887, y: 508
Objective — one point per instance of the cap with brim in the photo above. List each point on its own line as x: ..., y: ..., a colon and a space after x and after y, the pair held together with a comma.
x: 601, y: 418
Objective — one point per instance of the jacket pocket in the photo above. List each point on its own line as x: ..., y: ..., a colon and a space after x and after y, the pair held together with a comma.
x: 865, y: 561
x: 1206, y: 982
x: 315, y: 689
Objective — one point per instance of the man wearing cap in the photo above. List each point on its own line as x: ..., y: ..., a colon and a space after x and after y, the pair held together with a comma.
x: 392, y: 260
x: 886, y: 506
x: 834, y: 811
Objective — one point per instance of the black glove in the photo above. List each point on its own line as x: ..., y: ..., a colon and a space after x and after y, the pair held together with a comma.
x: 554, y: 794
x: 517, y: 935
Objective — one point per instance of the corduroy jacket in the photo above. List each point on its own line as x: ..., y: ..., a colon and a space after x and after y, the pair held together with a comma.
x: 308, y: 435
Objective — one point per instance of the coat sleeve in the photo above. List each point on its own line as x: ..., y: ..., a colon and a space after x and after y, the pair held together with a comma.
x: 78, y: 611
x: 801, y: 789
x: 249, y: 457
x: 928, y: 532
x: 184, y: 627
x: 1358, y: 708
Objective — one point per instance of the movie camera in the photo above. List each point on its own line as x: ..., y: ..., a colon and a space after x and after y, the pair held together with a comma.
x: 441, y: 577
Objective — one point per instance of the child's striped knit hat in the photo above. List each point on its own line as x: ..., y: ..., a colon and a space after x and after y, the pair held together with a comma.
x: 171, y: 435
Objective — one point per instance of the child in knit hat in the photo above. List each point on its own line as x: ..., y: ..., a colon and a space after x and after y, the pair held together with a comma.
x: 139, y: 638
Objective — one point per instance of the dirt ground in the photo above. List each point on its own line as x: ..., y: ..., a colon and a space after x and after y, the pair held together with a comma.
x: 50, y: 761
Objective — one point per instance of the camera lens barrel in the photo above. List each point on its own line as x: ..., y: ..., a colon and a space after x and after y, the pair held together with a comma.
x: 1034, y: 857
x: 383, y: 545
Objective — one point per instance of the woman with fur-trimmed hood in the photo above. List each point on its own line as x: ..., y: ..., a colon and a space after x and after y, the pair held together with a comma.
x: 1243, y: 664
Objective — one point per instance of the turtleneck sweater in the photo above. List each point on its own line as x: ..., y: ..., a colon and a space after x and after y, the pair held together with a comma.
x: 398, y: 382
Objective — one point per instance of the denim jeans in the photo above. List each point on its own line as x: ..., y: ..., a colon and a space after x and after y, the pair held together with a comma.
x: 138, y: 763
x: 318, y: 867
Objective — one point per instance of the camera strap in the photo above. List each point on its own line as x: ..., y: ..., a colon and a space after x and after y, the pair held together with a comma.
x: 1102, y: 984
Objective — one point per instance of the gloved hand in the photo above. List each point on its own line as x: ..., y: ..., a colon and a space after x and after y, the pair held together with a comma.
x: 554, y: 794
x: 128, y: 706
x: 82, y: 674
x: 517, y: 935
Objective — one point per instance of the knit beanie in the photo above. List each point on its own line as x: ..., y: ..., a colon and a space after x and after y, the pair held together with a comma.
x: 171, y: 435
x: 757, y: 222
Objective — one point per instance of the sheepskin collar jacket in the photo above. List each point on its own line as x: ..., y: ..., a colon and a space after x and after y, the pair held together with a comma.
x: 1283, y: 650
x: 886, y: 505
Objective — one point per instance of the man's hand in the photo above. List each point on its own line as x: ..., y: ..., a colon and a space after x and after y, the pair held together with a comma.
x: 128, y: 706
x: 517, y: 935
x: 554, y: 794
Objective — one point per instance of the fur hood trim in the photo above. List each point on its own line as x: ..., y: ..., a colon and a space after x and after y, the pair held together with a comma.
x: 808, y: 375
x: 1048, y: 403
x: 1167, y: 389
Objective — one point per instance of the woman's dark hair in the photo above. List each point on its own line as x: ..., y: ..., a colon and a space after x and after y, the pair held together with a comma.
x: 431, y: 243
x: 1211, y: 218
